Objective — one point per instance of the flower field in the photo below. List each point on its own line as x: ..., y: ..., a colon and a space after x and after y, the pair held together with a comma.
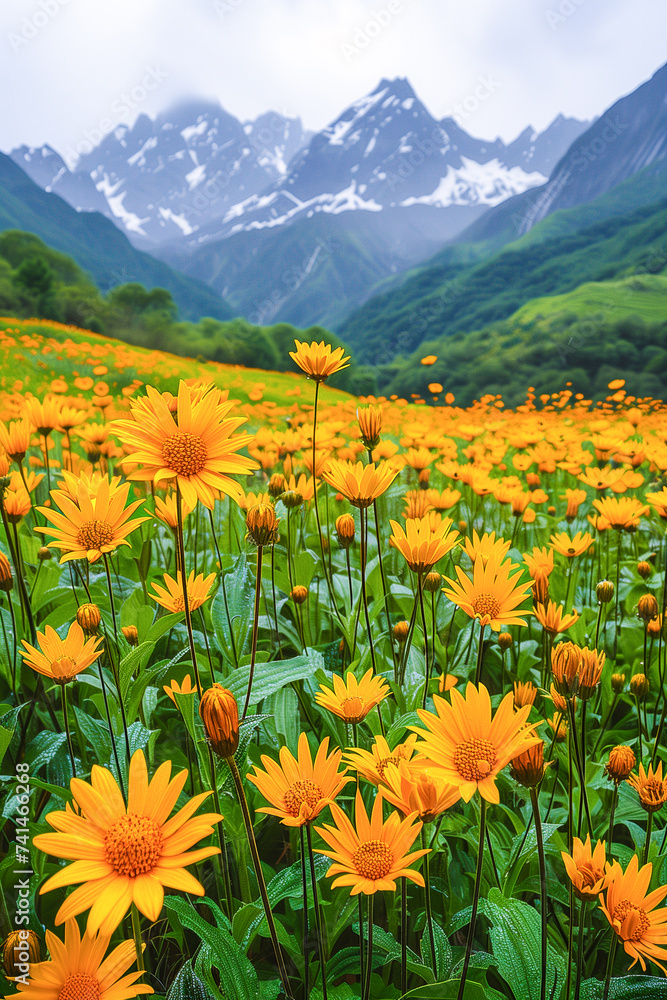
x: 324, y: 697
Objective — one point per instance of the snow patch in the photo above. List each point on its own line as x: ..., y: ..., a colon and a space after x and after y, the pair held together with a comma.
x: 138, y: 159
x: 196, y: 176
x: 180, y: 220
x: 194, y: 130
x: 478, y: 184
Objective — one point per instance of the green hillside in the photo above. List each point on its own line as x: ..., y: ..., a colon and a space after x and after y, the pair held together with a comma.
x: 595, y: 333
x: 596, y: 242
x: 96, y: 244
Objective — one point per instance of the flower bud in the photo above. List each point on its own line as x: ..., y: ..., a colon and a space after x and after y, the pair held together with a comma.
x: 565, y: 661
x: 424, y: 479
x: 551, y: 510
x: 88, y: 616
x: 463, y: 527
x: 560, y: 703
x: 262, y: 524
x: 345, y: 530
x: 617, y: 683
x: 401, y: 630
x: 6, y: 579
x: 131, y: 634
x: 590, y: 671
x: 370, y: 426
x: 276, y: 485
x: 559, y: 727
x: 529, y: 767
x: 292, y: 499
x: 644, y: 569
x: 44, y: 554
x: 604, y: 591
x: 432, y: 583
x: 220, y: 715
x: 298, y: 594
x: 639, y: 686
x: 504, y: 640
x: 20, y: 948
x: 647, y: 608
x: 620, y: 764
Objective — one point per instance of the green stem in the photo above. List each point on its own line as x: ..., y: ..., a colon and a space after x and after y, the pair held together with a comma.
x: 184, y: 585
x: 543, y: 891
x: 647, y: 844
x: 404, y: 936
x: 319, y: 924
x: 580, y: 948
x: 610, y: 967
x: 610, y: 835
x: 480, y: 655
x: 369, y: 950
x: 259, y: 874
x: 306, y: 962
x: 255, y: 630
x: 475, y: 900
x: 427, y: 900
x: 70, y: 745
x: 136, y: 932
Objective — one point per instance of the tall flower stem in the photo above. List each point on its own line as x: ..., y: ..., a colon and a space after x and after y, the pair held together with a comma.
x: 427, y: 666
x: 543, y: 891
x: 304, y: 883
x: 259, y: 874
x: 610, y: 967
x: 317, y: 508
x: 318, y: 914
x: 136, y: 933
x: 649, y: 829
x: 603, y: 728
x: 255, y: 630
x: 112, y: 604
x: 275, y: 602
x: 639, y: 728
x: 580, y: 948
x: 68, y: 732
x: 404, y: 936
x: 475, y: 899
x: 610, y: 835
x: 580, y: 767
x: 427, y: 901
x: 480, y: 654
x: 364, y: 593
x: 385, y: 590
x: 184, y: 584
x: 369, y: 950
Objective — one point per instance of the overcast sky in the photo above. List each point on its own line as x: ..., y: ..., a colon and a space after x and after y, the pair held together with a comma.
x: 67, y: 65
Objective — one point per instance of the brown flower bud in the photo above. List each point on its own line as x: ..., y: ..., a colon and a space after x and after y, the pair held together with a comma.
x: 529, y: 767
x: 604, y: 591
x: 551, y: 510
x: 20, y: 949
x: 401, y: 630
x: 6, y: 579
x: 298, y: 594
x: 639, y: 686
x: 617, y: 683
x: 647, y: 608
x: 131, y: 634
x: 292, y: 499
x: 345, y: 530
x: 220, y: 715
x: 88, y: 616
x: 262, y: 524
x: 504, y: 640
x: 590, y: 671
x: 565, y: 661
x: 424, y: 479
x: 644, y: 569
x: 44, y: 554
x: 620, y: 764
x: 432, y: 583
x: 276, y: 485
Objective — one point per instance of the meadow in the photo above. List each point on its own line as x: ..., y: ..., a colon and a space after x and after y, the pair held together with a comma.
x: 320, y: 696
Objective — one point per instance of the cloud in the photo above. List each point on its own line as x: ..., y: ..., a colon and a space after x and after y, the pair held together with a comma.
x: 67, y: 63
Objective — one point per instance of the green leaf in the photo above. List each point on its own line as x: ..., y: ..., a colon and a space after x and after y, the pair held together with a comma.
x: 449, y: 990
x: 233, y: 604
x: 5, y: 739
x: 131, y: 664
x: 443, y: 951
x: 516, y: 936
x: 269, y: 678
x: 626, y: 988
x: 188, y: 986
x: 284, y: 706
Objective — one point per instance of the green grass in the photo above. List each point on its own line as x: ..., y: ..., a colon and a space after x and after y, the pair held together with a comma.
x: 640, y: 295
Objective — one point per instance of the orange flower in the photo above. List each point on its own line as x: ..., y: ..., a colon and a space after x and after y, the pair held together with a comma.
x: 571, y: 547
x: 551, y: 617
x: 424, y: 542
x: 171, y: 598
x: 587, y: 868
x: 62, y: 659
x: 372, y: 764
x: 419, y: 787
x: 351, y: 699
x: 632, y: 913
x: 492, y: 595
x: 299, y: 788
x: 360, y: 484
x: 319, y: 361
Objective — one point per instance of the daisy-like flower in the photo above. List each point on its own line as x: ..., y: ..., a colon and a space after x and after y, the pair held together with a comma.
x: 493, y: 595
x: 352, y: 700
x: 360, y: 484
x: 171, y: 595
x: 44, y: 415
x: 372, y: 764
x: 632, y: 914
x: 299, y: 788
x: 621, y: 513
x: 197, y: 453
x: 69, y: 483
x: 571, y: 547
x: 485, y: 547
x: 62, y: 659
x: 424, y: 542
x: 167, y: 511
x: 370, y: 856
x: 319, y: 361
x: 16, y: 504
x: 524, y: 693
x: 124, y: 854
x: 15, y: 438
x: 540, y: 562
x: 97, y: 523
x: 369, y: 419
x: 418, y: 787
x: 650, y: 787
x: 472, y: 745
x: 552, y: 618
x: 587, y: 868
x: 174, y: 688
x: 78, y: 970
x: 447, y: 682
x: 659, y: 502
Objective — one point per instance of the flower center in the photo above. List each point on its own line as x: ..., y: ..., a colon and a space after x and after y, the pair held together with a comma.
x: 486, y: 604
x: 63, y: 668
x: 302, y: 792
x: 632, y: 919
x: 589, y: 874
x: 652, y: 795
x: 80, y: 987
x: 133, y: 845
x: 382, y: 764
x: 94, y: 534
x: 474, y: 759
x: 373, y: 859
x: 354, y: 709
x: 184, y: 453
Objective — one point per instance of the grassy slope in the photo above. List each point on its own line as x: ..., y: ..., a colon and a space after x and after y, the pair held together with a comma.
x: 642, y: 295
x: 34, y: 352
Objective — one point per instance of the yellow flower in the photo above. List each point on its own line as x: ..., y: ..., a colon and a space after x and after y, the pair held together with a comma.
x: 319, y: 361
x: 621, y: 512
x: 424, y: 541
x: 62, y: 659
x: 351, y: 699
x: 174, y: 688
x: 571, y: 547
x: 124, y: 853
x: 632, y: 914
x: 551, y: 617
x: 492, y: 595
x: 171, y: 598
x: 360, y: 484
x: 372, y: 764
x: 419, y: 787
x: 650, y: 787
x: 587, y: 868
